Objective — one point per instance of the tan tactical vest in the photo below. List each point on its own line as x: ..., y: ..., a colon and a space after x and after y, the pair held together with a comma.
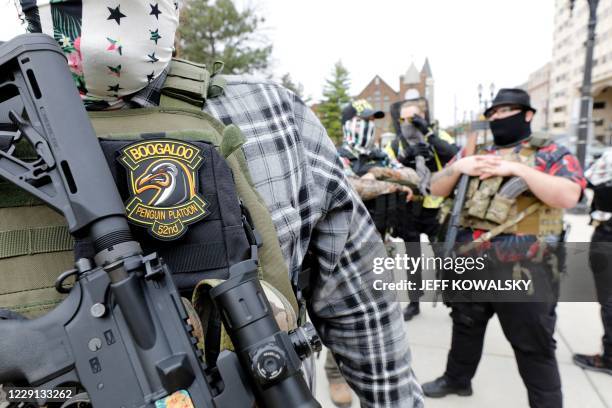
x: 486, y: 208
x: 35, y: 244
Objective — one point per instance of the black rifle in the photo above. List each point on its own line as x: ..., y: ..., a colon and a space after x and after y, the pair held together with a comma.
x: 453, y: 224
x: 122, y: 333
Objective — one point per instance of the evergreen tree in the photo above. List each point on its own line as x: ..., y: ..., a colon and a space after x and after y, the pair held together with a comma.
x: 336, y: 95
x: 216, y: 30
x: 296, y: 87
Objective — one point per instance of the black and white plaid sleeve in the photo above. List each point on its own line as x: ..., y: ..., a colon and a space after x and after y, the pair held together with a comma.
x: 297, y: 171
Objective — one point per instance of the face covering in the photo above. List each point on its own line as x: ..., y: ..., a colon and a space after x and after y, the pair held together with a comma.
x: 114, y: 48
x: 511, y: 130
x: 359, y: 134
x: 411, y: 133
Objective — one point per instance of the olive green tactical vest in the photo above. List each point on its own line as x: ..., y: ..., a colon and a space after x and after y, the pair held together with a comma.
x: 486, y: 207
x: 35, y: 245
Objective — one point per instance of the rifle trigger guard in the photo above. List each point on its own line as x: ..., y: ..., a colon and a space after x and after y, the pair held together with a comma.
x: 59, y: 282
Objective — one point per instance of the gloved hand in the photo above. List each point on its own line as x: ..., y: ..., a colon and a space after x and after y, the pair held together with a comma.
x: 421, y: 124
x: 421, y: 149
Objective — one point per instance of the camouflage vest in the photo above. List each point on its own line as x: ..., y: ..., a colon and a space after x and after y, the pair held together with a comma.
x: 493, y: 202
x: 198, y: 225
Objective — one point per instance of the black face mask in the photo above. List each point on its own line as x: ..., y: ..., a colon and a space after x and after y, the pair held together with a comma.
x: 511, y: 130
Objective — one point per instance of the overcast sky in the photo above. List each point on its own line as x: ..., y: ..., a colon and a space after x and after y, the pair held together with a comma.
x: 468, y: 42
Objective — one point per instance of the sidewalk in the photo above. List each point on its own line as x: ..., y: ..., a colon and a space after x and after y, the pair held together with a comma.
x: 497, y: 382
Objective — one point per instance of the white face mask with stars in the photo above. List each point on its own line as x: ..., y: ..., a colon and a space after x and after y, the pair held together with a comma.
x: 114, y: 48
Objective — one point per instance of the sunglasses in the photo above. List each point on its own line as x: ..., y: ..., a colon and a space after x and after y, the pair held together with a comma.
x: 503, y: 110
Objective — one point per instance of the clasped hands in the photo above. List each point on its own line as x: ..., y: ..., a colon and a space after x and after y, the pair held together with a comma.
x: 485, y: 166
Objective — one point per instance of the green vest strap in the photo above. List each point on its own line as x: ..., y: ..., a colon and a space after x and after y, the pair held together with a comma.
x: 32, y: 241
x: 217, y: 86
x: 233, y: 139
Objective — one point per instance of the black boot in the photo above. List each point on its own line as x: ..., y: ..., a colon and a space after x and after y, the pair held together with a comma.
x: 441, y: 387
x: 594, y: 363
x: 411, y: 310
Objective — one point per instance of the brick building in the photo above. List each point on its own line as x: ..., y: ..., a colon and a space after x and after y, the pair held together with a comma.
x: 412, y: 84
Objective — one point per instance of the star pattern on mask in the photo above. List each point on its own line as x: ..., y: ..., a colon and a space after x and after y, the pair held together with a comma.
x: 150, y: 76
x: 114, y: 88
x: 152, y: 58
x: 155, y: 36
x: 114, y: 45
x: 115, y: 14
x: 155, y: 10
x: 115, y: 71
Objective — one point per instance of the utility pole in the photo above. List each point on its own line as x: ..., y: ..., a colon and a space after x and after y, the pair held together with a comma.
x: 586, y: 99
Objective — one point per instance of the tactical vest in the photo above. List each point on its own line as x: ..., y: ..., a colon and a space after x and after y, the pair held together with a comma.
x: 490, y: 205
x: 200, y: 226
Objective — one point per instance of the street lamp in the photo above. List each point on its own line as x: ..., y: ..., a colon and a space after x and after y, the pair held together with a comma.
x: 586, y: 99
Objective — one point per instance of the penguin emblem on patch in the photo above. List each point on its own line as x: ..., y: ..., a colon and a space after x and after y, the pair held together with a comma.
x: 163, y: 183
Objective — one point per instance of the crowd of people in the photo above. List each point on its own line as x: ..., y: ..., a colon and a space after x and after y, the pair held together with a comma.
x: 554, y: 181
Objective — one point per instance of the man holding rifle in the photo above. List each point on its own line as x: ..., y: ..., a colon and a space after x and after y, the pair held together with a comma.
x: 294, y: 167
x: 529, y: 217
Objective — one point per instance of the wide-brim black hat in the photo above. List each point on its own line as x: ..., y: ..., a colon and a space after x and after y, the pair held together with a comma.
x: 511, y: 96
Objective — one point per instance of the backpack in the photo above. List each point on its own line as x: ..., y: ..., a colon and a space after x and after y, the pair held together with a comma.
x: 199, y: 238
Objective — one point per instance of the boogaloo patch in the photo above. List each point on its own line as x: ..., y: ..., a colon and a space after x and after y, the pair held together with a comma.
x: 163, y: 183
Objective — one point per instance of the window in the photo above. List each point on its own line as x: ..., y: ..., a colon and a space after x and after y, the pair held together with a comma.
x: 599, y: 105
x: 559, y: 109
x: 559, y: 124
x: 598, y: 122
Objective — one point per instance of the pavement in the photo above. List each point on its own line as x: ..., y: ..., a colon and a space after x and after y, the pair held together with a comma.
x: 497, y: 382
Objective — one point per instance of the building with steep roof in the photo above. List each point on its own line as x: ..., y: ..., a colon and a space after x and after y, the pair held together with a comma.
x: 412, y: 84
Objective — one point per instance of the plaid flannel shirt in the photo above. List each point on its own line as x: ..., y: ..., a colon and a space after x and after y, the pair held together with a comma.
x: 295, y: 168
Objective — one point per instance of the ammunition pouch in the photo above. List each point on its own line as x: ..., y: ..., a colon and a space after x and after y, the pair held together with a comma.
x: 499, y: 201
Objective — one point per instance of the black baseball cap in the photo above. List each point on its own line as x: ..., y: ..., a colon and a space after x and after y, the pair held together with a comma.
x: 361, y: 108
x: 511, y: 96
